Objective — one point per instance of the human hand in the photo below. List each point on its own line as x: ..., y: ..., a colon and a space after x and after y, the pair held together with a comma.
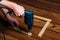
x: 12, y: 21
x: 18, y: 9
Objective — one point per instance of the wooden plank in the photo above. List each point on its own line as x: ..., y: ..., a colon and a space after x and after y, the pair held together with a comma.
x: 35, y: 31
x: 48, y: 14
x: 13, y: 33
x: 1, y: 36
x: 7, y: 37
x: 19, y: 36
x: 40, y: 24
x: 54, y: 1
x: 54, y: 16
x: 45, y: 26
x: 49, y: 35
x: 37, y: 24
x: 37, y: 27
x: 43, y: 5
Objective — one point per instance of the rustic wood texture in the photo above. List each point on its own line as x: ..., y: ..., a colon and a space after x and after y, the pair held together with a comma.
x: 52, y: 32
x: 7, y: 37
x: 35, y: 30
x: 35, y: 6
x: 46, y: 5
x: 54, y: 16
x: 50, y: 10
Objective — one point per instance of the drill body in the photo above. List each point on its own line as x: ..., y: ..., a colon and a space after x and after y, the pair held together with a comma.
x: 28, y: 19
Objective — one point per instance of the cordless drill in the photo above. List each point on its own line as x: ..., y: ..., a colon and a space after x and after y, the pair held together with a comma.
x: 29, y: 19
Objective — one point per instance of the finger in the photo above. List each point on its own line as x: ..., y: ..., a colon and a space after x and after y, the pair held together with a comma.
x: 23, y: 15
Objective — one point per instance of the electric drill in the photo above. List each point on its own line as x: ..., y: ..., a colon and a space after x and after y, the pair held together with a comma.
x: 29, y: 19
